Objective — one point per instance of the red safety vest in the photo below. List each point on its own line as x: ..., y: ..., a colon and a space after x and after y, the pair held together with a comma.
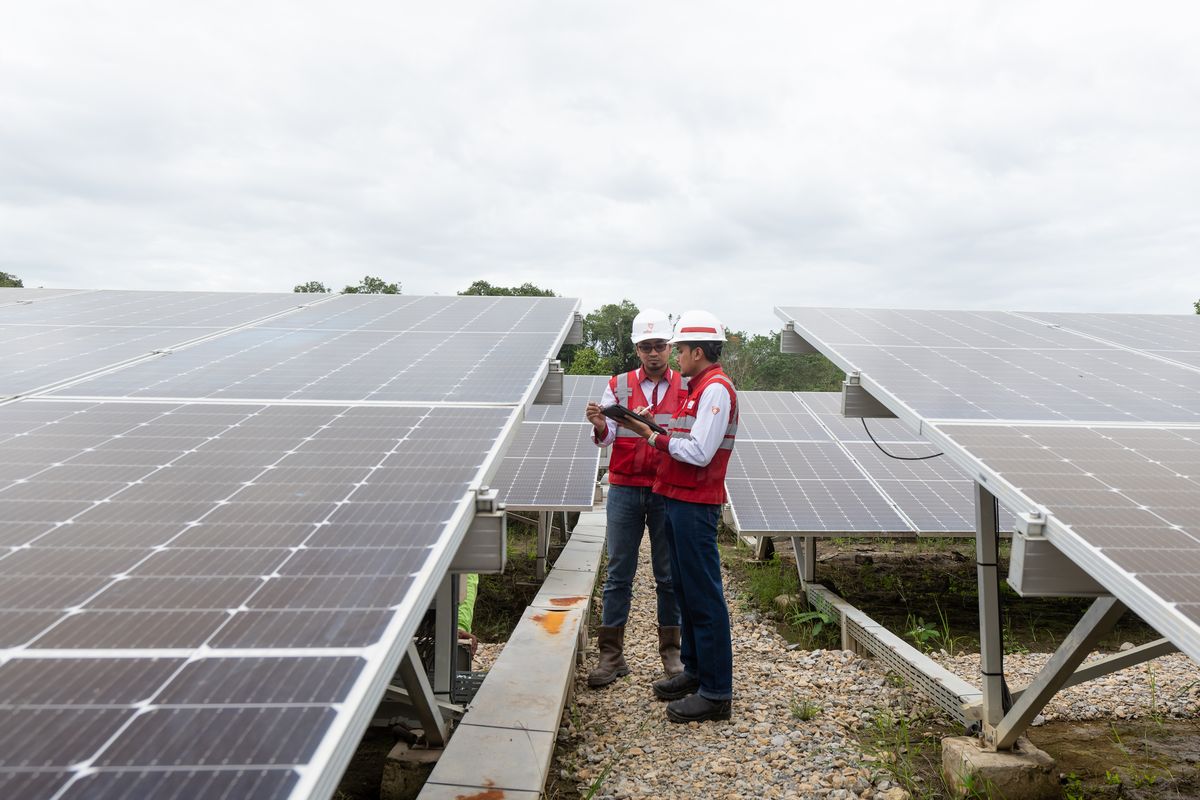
x: 682, y: 481
x: 633, y: 462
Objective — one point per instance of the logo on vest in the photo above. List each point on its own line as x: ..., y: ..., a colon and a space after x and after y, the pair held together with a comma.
x: 691, y: 404
x: 716, y: 409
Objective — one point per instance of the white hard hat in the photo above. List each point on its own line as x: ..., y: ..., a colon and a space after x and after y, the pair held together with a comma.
x: 651, y: 324
x: 698, y: 326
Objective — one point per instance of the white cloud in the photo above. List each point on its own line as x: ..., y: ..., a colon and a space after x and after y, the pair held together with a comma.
x: 728, y: 156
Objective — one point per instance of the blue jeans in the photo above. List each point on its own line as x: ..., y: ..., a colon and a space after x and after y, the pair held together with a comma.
x: 632, y: 509
x: 707, y: 648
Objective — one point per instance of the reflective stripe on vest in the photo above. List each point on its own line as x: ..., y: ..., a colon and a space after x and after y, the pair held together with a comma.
x: 706, y: 485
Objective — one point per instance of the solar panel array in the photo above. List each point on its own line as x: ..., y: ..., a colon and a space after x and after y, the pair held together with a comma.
x: 54, y: 336
x: 799, y: 467
x: 553, y: 464
x: 205, y: 597
x: 1090, y: 420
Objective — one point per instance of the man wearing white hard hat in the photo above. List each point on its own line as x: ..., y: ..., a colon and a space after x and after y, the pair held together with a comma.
x: 691, y: 479
x: 653, y: 389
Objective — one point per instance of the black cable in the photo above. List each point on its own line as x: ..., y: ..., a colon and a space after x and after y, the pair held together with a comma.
x: 890, y: 455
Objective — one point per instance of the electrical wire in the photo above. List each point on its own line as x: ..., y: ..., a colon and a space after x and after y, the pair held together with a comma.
x: 892, y: 455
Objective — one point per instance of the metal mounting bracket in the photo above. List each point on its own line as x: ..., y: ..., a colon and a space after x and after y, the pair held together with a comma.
x: 484, y: 547
x: 793, y: 343
x: 551, y: 393
x: 857, y: 402
x: 575, y: 334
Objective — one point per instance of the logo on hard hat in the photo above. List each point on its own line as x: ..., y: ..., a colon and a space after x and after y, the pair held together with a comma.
x: 649, y: 326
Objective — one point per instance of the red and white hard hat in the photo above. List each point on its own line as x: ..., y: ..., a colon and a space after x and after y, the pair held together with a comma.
x: 698, y: 326
x: 651, y: 324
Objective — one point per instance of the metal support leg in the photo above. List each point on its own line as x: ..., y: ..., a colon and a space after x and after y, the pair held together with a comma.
x: 1099, y: 620
x: 764, y: 547
x: 806, y: 560
x: 991, y: 646
x: 420, y: 694
x: 543, y: 544
x: 445, y: 636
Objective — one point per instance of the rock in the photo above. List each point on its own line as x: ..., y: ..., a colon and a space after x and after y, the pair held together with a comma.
x: 1125, y: 646
x: 785, y: 601
x: 895, y: 793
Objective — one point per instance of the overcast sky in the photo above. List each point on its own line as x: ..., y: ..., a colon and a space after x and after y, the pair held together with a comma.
x: 729, y: 157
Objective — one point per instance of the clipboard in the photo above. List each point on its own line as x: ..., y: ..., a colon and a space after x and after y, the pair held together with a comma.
x: 619, y: 412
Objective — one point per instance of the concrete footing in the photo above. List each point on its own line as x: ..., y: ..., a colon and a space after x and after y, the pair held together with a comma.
x: 1023, y: 773
x: 405, y: 772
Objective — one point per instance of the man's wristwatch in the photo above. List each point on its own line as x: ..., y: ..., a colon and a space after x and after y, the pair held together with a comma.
x: 652, y: 437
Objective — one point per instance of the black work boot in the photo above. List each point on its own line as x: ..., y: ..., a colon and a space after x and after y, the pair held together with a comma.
x: 696, y: 708
x: 668, y: 650
x: 611, y: 641
x: 676, y: 686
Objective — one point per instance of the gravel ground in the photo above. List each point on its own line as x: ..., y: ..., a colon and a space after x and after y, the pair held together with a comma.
x: 765, y: 751
x: 768, y: 750
x: 1168, y: 686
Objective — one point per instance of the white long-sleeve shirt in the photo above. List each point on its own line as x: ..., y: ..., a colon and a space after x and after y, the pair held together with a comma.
x: 712, y: 419
x: 610, y: 399
x: 708, y: 431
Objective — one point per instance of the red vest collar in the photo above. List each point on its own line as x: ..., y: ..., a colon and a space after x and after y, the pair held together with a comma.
x: 640, y: 374
x: 695, y: 380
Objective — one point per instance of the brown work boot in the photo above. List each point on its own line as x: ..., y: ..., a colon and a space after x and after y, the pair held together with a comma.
x: 611, y: 641
x: 668, y: 649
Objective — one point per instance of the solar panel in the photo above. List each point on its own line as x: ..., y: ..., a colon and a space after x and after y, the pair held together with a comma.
x: 998, y: 365
x: 578, y: 391
x: 10, y: 295
x: 361, y: 348
x: 53, y: 340
x: 1086, y: 421
x: 553, y: 464
x: 788, y: 476
x: 1152, y: 333
x: 1130, y: 494
x: 207, y: 598
x: 933, y: 496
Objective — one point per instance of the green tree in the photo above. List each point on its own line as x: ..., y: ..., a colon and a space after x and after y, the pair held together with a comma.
x: 312, y: 286
x: 372, y: 285
x: 1196, y: 304
x: 587, y: 361
x: 485, y: 289
x: 608, y: 329
x: 13, y: 282
x: 754, y: 362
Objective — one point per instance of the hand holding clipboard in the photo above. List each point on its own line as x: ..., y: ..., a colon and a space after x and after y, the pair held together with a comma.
x: 619, y: 412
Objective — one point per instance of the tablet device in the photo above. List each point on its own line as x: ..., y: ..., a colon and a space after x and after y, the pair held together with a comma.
x: 619, y: 412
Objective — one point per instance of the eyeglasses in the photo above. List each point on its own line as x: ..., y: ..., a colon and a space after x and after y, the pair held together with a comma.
x: 652, y: 348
